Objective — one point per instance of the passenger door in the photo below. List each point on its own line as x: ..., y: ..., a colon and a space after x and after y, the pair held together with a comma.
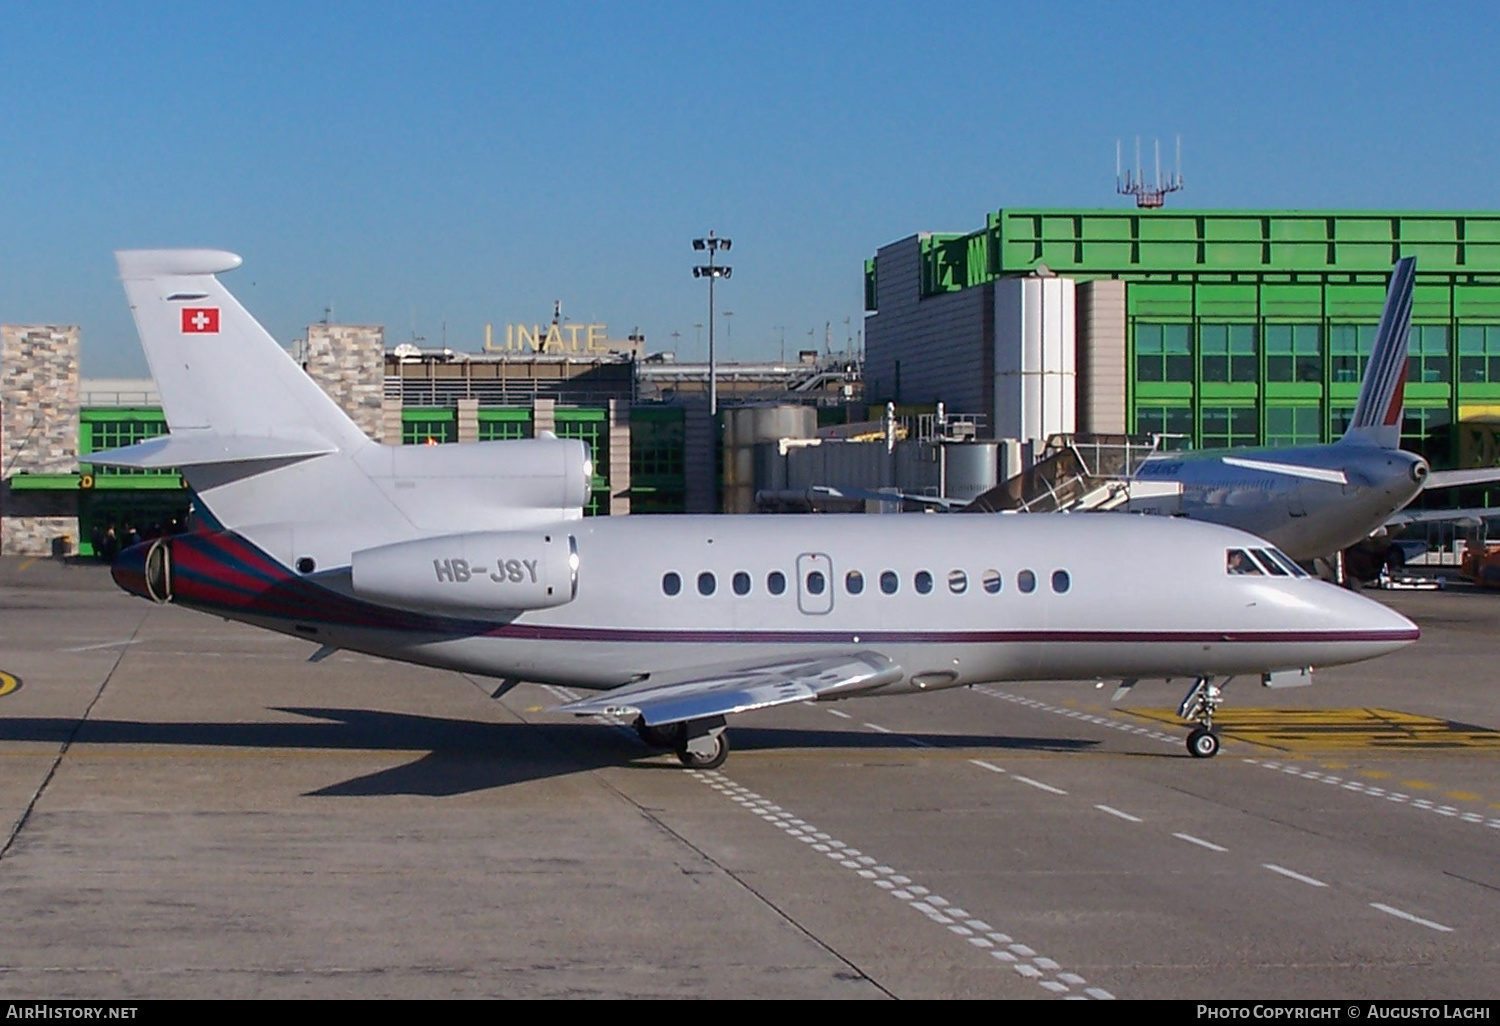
x: 814, y: 583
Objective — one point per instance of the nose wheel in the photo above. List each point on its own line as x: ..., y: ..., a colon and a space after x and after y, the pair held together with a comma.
x: 1198, y: 706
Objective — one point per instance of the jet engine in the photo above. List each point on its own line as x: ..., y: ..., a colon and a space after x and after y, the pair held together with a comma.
x: 508, y: 570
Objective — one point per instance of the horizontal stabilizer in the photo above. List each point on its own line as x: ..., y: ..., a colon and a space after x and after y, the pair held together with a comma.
x: 725, y: 690
x: 1290, y: 469
x: 196, y: 449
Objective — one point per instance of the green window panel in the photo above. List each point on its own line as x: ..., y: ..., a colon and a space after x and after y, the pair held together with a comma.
x: 1294, y: 352
x: 1339, y: 416
x: 1226, y: 426
x: 1294, y: 425
x: 1479, y: 353
x: 504, y: 425
x: 1349, y: 348
x: 1428, y: 430
x: 592, y: 427
x: 428, y: 427
x: 100, y: 430
x: 1173, y: 422
x: 1229, y: 353
x: 1163, y: 352
x: 1430, y: 359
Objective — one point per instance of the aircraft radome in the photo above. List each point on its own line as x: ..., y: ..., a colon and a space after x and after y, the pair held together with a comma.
x: 477, y: 557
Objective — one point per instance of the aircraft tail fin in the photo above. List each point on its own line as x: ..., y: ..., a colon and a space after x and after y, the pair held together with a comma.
x: 1377, y: 415
x: 223, y: 379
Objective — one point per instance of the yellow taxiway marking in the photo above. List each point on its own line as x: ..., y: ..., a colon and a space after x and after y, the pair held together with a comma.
x: 9, y: 683
x: 1321, y: 730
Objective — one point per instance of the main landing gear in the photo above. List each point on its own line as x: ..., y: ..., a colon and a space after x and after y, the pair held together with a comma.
x: 699, y: 744
x: 1202, y: 699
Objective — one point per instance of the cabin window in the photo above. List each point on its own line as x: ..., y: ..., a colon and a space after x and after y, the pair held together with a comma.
x: 1238, y: 562
x: 992, y: 581
x: 706, y: 583
x: 923, y: 582
x: 741, y: 583
x: 890, y: 581
x: 776, y: 582
x: 671, y: 583
x: 815, y: 582
x: 854, y: 582
x: 958, y: 582
x: 1061, y: 581
x: 1026, y: 581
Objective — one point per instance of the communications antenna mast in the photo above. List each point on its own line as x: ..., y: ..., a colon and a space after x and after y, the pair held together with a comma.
x: 1148, y: 195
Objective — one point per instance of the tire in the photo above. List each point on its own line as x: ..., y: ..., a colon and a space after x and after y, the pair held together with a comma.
x: 665, y: 736
x: 706, y: 762
x: 1203, y: 743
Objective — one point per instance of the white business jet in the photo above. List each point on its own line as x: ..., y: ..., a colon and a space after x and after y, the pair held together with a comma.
x: 477, y: 557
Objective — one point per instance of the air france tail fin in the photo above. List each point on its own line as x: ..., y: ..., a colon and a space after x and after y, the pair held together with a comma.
x: 229, y: 392
x: 1377, y: 415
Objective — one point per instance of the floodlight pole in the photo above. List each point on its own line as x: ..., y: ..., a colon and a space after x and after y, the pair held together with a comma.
x: 712, y: 271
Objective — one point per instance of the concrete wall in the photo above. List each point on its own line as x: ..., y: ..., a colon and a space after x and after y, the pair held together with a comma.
x: 944, y: 344
x: 38, y: 434
x: 1101, y: 357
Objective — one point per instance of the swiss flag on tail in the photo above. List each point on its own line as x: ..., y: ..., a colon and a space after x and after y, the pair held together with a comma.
x: 200, y: 320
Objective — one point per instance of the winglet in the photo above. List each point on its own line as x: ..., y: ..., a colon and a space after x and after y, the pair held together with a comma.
x: 1377, y: 415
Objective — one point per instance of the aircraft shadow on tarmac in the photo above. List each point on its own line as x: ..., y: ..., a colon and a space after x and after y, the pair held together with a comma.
x: 465, y: 756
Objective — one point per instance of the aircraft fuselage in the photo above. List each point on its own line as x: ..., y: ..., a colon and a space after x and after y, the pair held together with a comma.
x: 1327, y: 498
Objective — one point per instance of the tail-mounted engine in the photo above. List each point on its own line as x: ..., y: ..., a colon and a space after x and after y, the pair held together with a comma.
x: 509, y: 570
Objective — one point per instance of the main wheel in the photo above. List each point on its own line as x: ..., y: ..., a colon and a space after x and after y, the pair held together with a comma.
x: 1203, y: 743
x: 695, y: 760
x: 663, y: 735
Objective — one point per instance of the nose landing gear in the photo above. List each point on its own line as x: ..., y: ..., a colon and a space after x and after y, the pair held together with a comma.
x: 1198, y: 706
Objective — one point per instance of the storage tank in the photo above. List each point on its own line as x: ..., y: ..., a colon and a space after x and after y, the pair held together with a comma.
x: 745, y: 427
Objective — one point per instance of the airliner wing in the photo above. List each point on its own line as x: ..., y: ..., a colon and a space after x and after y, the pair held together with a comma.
x: 724, y: 690
x: 1472, y: 516
x: 1461, y: 478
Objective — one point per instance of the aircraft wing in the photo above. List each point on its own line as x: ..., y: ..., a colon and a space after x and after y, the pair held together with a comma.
x: 1460, y: 478
x: 723, y: 690
x: 1472, y: 516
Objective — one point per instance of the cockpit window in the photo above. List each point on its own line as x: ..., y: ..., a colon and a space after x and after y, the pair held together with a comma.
x: 1286, y: 561
x: 1238, y: 562
x: 1263, y: 558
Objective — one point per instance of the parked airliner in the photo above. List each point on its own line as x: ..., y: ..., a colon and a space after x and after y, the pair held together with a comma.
x: 1314, y: 501
x: 477, y: 557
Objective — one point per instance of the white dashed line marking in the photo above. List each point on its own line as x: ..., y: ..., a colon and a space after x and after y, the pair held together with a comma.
x: 1038, y: 784
x: 1388, y: 910
x: 986, y: 765
x: 1292, y: 874
x: 1122, y: 815
x: 1200, y: 842
x: 841, y: 714
x: 1046, y: 972
x: 1358, y: 787
x: 1103, y: 721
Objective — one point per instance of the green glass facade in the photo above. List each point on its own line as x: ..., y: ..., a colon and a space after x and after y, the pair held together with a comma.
x: 1252, y: 327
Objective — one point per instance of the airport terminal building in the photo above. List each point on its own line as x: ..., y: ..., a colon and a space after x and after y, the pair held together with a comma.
x: 1212, y: 328
x: 1218, y: 328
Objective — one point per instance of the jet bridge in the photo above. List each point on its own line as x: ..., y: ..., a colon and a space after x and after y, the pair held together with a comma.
x: 1075, y: 472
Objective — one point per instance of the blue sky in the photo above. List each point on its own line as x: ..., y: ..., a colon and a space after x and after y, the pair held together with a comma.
x: 433, y: 167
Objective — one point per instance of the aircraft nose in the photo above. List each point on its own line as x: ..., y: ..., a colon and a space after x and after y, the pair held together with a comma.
x: 1373, y: 629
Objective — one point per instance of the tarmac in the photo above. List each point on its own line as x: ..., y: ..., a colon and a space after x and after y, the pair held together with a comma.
x: 189, y: 808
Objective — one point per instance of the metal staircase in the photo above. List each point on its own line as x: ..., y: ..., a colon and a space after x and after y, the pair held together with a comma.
x: 1075, y: 472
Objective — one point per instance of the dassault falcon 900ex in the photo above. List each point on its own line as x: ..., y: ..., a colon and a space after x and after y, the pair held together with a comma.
x: 477, y: 557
